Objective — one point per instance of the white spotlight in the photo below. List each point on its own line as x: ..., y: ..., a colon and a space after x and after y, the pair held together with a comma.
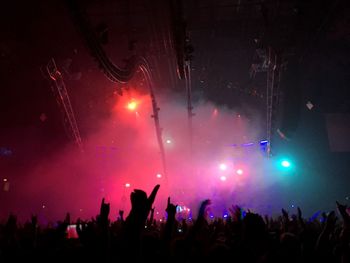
x: 223, y: 167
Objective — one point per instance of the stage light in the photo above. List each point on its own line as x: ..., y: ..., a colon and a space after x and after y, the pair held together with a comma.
x: 223, y: 178
x: 168, y: 141
x: 239, y: 171
x: 127, y: 185
x: 286, y: 163
x: 159, y: 176
x: 223, y: 167
x: 5, y: 180
x: 132, y: 105
x: 264, y: 146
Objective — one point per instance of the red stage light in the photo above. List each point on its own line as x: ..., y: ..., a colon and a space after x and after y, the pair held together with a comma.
x: 132, y: 105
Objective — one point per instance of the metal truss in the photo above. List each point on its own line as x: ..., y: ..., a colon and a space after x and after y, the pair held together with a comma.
x: 271, y: 64
x: 62, y: 98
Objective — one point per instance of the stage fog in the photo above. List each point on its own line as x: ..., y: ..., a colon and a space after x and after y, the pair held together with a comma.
x: 220, y: 158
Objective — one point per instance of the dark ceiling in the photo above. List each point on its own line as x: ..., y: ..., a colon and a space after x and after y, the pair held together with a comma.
x: 312, y: 35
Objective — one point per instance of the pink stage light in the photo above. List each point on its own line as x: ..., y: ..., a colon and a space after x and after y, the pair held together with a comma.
x: 127, y: 185
x: 159, y: 176
x: 223, y: 167
x: 223, y: 178
x: 239, y: 171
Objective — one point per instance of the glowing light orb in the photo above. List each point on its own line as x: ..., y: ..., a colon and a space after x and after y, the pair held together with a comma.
x: 159, y: 176
x: 222, y: 166
x: 223, y: 178
x: 127, y: 185
x: 132, y: 105
x: 168, y: 141
x: 5, y: 180
x: 285, y: 163
x: 239, y: 171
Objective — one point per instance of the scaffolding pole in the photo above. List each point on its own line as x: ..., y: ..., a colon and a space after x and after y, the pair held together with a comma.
x: 272, y: 94
x: 64, y: 103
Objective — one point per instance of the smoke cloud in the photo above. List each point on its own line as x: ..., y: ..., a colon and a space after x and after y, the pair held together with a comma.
x: 122, y: 149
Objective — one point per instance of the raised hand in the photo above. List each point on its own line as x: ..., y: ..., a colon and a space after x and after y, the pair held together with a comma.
x: 203, y: 208
x: 11, y: 222
x: 34, y: 221
x: 323, y: 239
x: 170, y: 225
x: 346, y: 218
x: 67, y: 219
x: 121, y: 215
x: 285, y: 221
x: 300, y: 217
x: 171, y: 209
x: 331, y: 220
x: 285, y: 214
x: 141, y: 205
x: 344, y: 236
x: 324, y: 217
x: 79, y: 226
x: 236, y: 212
x: 267, y: 220
x: 152, y: 196
x: 150, y: 221
x: 135, y: 221
x: 139, y: 200
x: 104, y: 212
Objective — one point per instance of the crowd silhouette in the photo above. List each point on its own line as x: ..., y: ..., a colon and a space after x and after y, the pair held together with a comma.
x: 243, y: 236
